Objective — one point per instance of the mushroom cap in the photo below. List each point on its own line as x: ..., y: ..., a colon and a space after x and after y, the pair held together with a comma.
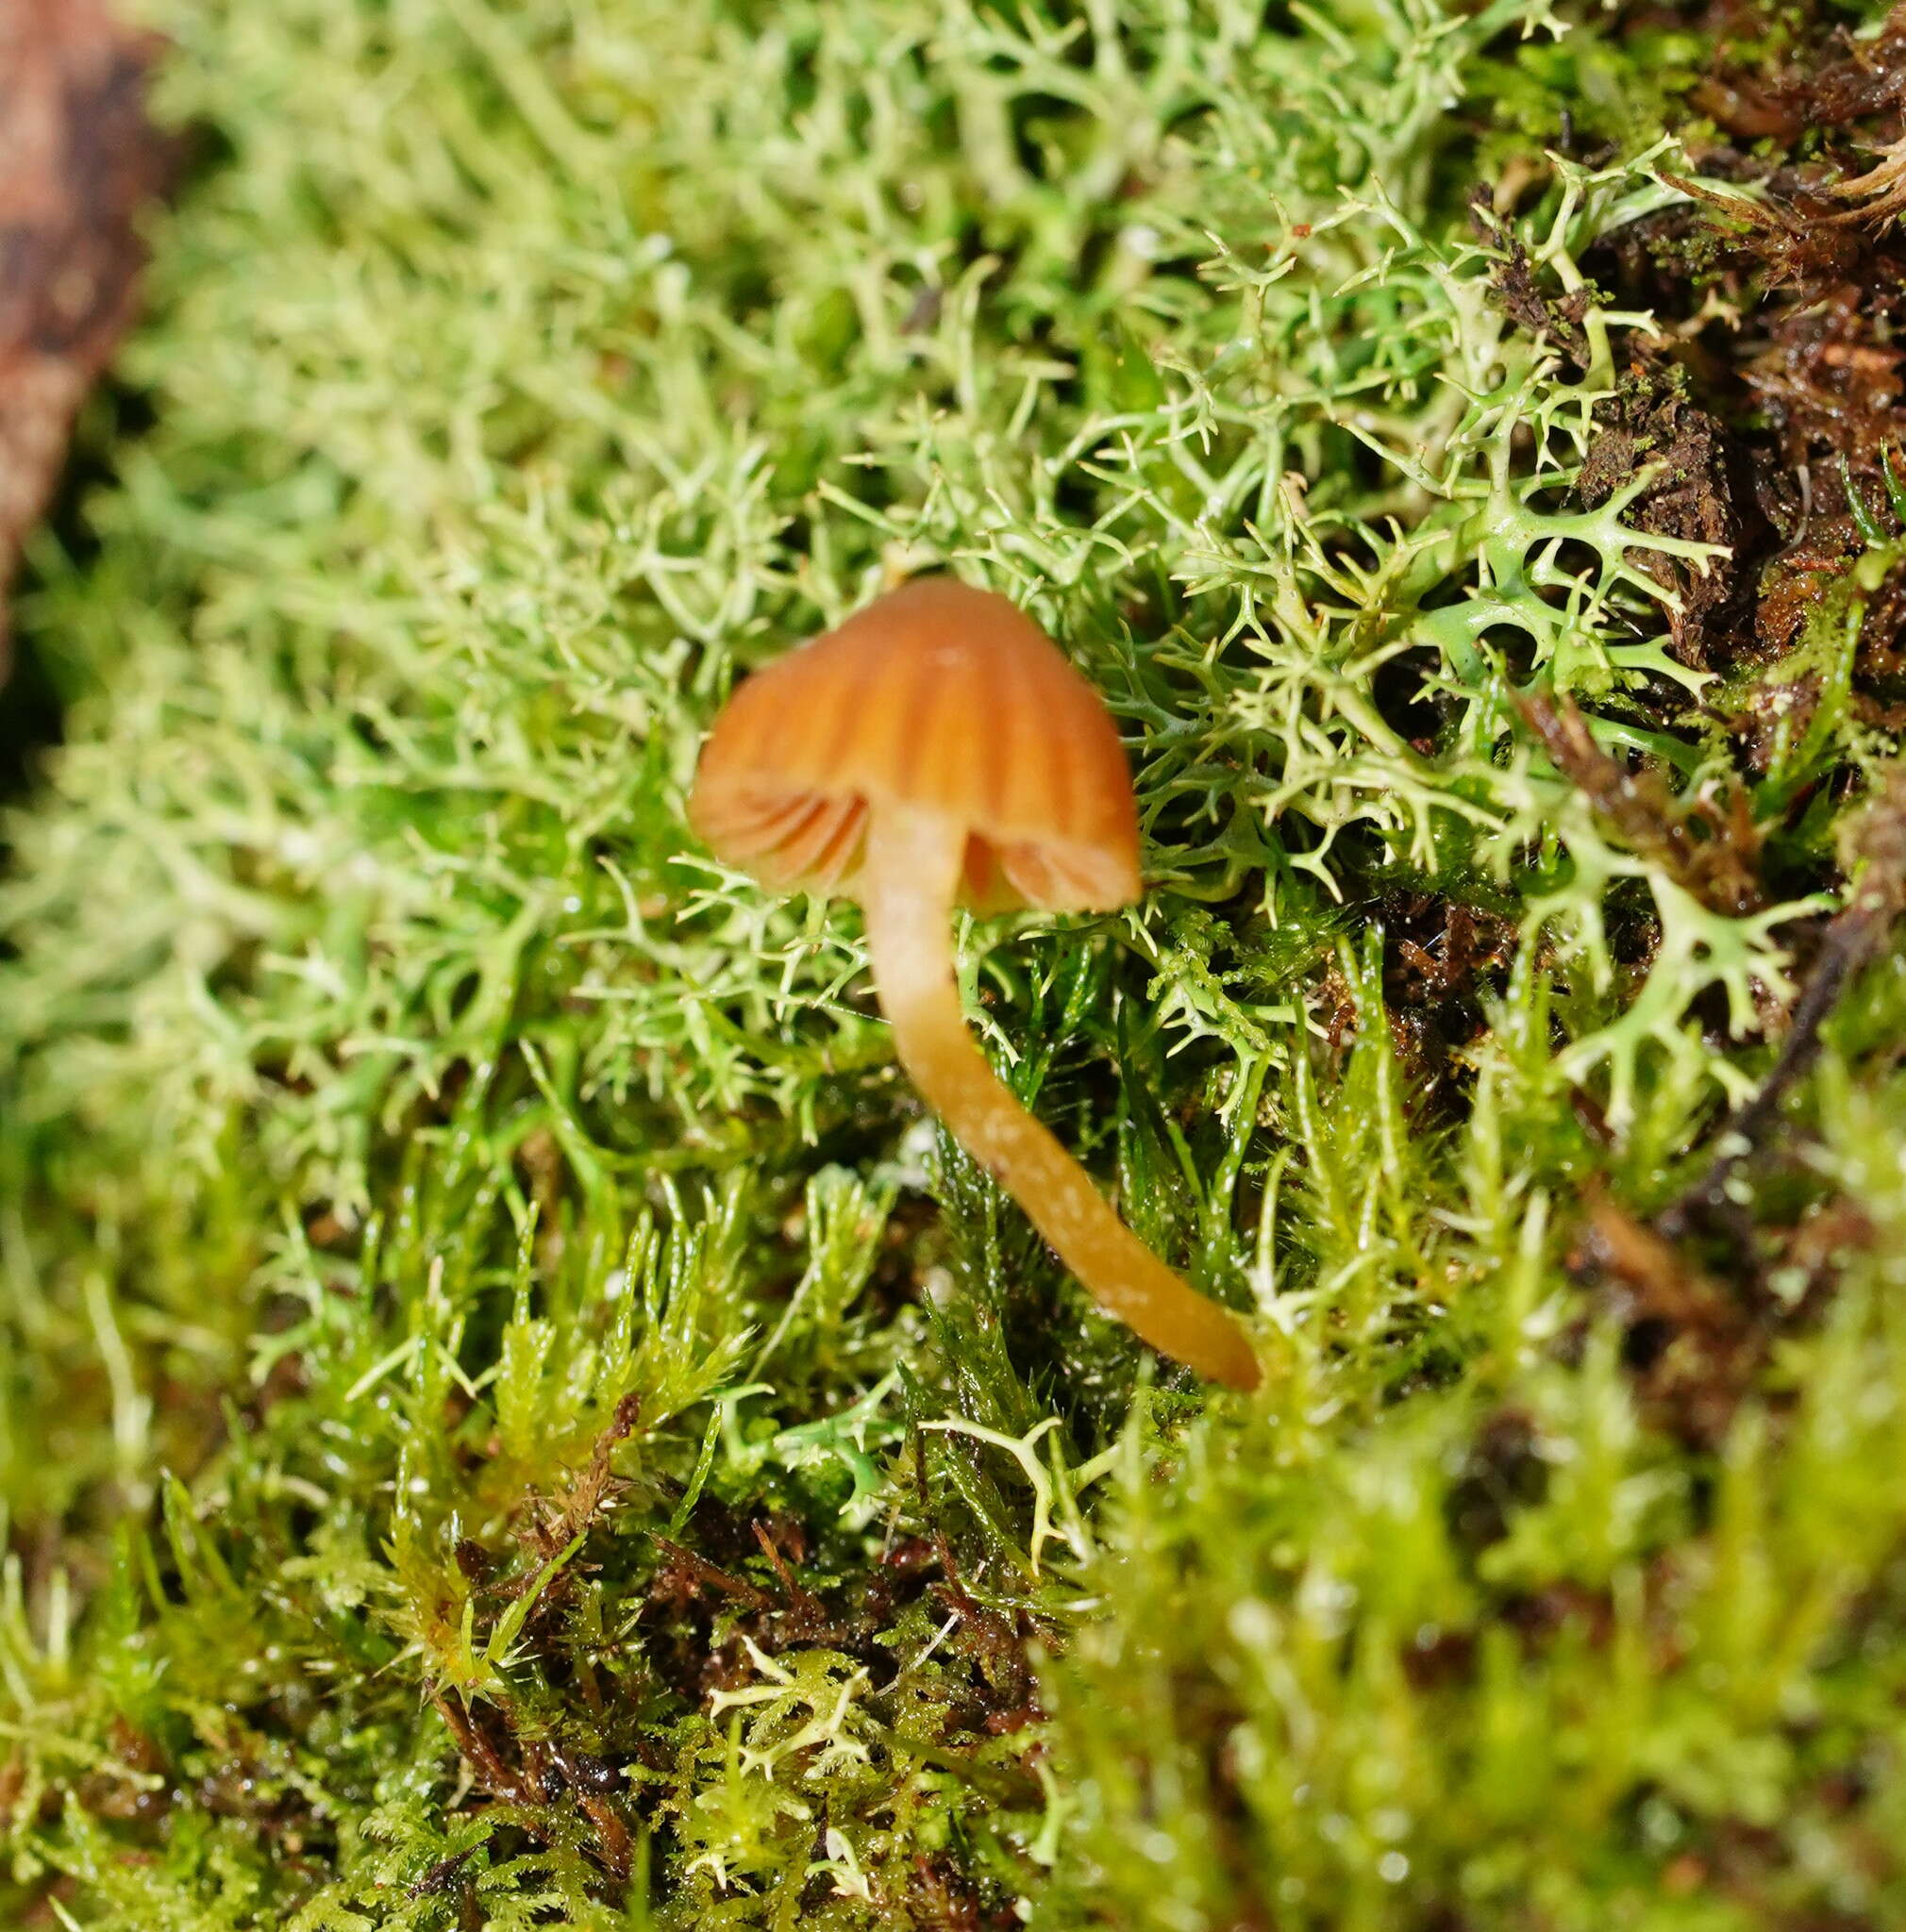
x: 935, y: 695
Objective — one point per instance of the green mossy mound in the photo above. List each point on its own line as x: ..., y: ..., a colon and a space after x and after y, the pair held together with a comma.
x: 509, y: 1415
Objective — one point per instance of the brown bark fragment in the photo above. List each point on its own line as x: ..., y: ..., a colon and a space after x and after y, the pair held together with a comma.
x: 78, y: 160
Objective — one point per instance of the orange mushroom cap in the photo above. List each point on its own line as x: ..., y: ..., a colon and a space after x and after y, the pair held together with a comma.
x: 938, y: 696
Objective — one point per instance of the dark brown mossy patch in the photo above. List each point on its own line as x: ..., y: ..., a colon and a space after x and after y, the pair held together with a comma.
x: 1770, y: 396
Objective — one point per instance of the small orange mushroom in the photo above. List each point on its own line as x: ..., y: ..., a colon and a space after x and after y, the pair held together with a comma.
x: 936, y: 749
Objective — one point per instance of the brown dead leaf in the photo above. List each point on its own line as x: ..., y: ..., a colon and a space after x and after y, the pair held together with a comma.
x: 78, y: 160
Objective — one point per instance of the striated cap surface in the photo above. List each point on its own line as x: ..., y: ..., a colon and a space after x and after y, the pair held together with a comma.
x: 936, y: 694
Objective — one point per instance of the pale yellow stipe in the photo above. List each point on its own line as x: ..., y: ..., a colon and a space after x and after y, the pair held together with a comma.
x: 906, y: 884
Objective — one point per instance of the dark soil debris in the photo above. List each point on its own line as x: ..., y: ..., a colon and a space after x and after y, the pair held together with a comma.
x: 1696, y: 484
x: 1556, y: 319
x: 1444, y: 960
x: 1768, y: 410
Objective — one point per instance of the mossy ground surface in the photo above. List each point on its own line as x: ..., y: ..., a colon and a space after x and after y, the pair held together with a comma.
x: 510, y: 1416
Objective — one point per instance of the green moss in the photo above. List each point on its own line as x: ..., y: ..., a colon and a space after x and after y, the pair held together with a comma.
x: 509, y: 1416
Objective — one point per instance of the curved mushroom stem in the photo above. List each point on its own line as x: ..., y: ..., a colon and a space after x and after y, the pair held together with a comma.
x: 912, y: 869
